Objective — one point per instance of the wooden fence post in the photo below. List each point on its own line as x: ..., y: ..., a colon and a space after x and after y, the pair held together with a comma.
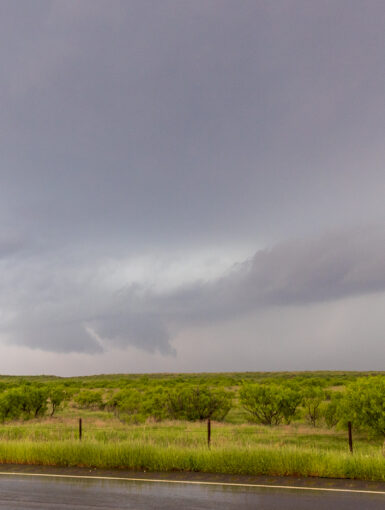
x: 80, y: 429
x: 208, y: 432
x: 350, y: 436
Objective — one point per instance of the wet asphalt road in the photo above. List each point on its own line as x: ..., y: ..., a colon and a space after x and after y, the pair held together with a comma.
x: 25, y: 493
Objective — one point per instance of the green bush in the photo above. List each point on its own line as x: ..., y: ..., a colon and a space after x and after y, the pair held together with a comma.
x: 88, y: 399
x: 312, y: 399
x: 197, y: 403
x: 364, y: 404
x: 331, y: 410
x: 57, y: 395
x: 270, y: 404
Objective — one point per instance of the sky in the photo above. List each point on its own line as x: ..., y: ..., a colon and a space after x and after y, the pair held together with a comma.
x: 191, y: 186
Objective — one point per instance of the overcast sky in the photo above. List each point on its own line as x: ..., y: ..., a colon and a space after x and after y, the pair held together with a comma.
x: 191, y: 185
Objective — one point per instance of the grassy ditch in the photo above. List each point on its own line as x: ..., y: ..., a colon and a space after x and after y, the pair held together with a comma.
x: 137, y: 455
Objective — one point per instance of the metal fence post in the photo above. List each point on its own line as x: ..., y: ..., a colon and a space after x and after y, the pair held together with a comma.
x: 350, y: 436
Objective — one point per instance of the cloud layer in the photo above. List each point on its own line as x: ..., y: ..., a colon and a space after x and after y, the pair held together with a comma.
x: 149, y: 149
x: 88, y: 314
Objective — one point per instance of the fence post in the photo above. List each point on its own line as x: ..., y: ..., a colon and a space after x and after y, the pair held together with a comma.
x: 208, y: 432
x: 350, y: 436
x: 80, y: 429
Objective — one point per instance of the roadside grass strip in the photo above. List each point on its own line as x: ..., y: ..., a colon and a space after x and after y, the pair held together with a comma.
x: 136, y: 455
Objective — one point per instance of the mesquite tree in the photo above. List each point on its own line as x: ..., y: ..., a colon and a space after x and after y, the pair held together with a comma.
x: 313, y: 397
x: 364, y: 405
x: 198, y: 403
x: 269, y: 404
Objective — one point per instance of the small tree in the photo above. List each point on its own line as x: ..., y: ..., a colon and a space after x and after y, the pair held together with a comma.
x: 35, y: 400
x: 269, y: 404
x: 332, y: 409
x: 312, y: 399
x: 130, y: 403
x: 88, y: 399
x: 198, y: 403
x: 11, y: 405
x: 57, y: 395
x: 290, y: 401
x: 364, y: 404
x: 135, y: 406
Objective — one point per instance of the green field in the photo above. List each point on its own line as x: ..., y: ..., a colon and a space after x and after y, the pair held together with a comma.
x: 130, y: 432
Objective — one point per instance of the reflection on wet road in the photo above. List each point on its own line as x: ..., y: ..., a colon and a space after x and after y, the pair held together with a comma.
x: 65, y: 493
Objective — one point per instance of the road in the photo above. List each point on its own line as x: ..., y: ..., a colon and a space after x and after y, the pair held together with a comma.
x: 26, y: 492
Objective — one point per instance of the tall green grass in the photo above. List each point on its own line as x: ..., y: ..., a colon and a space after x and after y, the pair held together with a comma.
x: 190, y: 435
x: 137, y: 455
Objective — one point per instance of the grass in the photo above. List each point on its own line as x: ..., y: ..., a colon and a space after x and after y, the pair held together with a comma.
x: 138, y: 455
x: 296, y: 450
x: 186, y: 434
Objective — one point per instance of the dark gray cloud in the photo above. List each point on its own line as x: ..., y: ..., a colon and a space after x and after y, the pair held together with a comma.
x: 131, y: 125
x: 11, y: 244
x: 65, y: 315
x: 133, y: 129
x: 143, y: 330
x: 294, y: 273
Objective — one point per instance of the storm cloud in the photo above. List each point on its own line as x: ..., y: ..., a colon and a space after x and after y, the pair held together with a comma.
x: 87, y: 316
x: 174, y: 166
x: 293, y: 273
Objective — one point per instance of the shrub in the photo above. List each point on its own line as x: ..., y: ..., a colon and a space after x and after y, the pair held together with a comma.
x: 269, y: 404
x: 11, y: 405
x: 34, y: 401
x: 88, y: 399
x: 312, y: 399
x: 197, y: 403
x: 364, y: 404
x: 57, y: 395
x: 332, y: 410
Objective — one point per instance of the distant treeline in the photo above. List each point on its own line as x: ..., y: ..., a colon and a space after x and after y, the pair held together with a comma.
x: 327, y: 398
